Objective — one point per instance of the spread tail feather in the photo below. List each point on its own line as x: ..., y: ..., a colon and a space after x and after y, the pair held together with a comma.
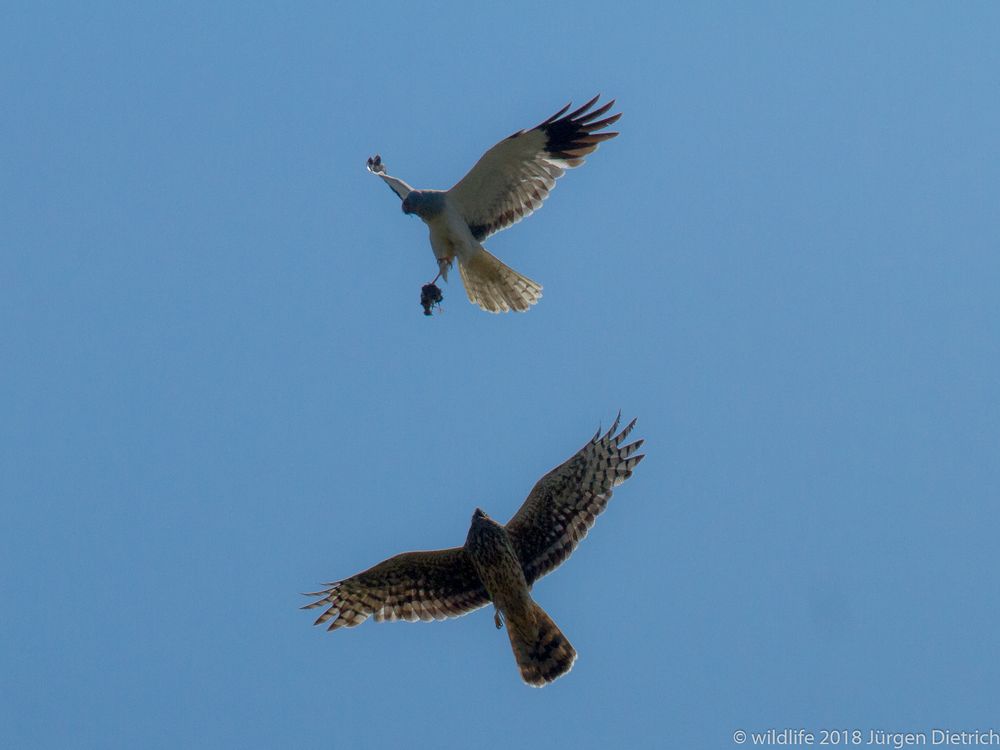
x: 494, y: 286
x: 542, y: 652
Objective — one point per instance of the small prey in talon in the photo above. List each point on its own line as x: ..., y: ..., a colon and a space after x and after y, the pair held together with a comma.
x: 430, y: 297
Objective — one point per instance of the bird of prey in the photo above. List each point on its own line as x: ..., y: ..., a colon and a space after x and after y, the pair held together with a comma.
x: 498, y: 563
x: 509, y: 182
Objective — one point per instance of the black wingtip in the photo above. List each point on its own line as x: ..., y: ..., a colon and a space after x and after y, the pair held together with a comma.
x: 555, y: 117
x: 570, y: 138
x: 577, y: 112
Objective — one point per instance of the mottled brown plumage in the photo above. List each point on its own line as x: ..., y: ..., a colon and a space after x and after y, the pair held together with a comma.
x: 497, y: 563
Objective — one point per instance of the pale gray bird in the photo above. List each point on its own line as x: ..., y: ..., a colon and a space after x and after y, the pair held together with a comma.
x: 509, y: 182
x: 498, y: 563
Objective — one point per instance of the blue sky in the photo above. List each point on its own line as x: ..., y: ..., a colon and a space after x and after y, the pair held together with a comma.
x: 219, y: 391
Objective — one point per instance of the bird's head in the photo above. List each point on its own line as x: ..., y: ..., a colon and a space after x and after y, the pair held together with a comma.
x: 424, y: 203
x: 482, y: 527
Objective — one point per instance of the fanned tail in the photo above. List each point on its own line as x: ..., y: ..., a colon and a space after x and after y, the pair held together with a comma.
x: 542, y: 652
x: 494, y: 286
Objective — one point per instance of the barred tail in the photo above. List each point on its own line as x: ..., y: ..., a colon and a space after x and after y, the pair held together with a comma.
x: 496, y: 287
x: 542, y: 652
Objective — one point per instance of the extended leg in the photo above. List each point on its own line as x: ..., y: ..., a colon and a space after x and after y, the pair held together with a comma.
x: 443, y: 265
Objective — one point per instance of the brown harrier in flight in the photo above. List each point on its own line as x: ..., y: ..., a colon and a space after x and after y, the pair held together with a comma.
x: 509, y: 182
x: 498, y: 563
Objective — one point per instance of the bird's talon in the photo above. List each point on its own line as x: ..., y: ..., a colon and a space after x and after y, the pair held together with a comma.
x: 498, y: 619
x: 375, y: 164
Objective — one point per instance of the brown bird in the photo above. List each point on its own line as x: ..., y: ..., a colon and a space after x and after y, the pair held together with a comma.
x: 498, y: 563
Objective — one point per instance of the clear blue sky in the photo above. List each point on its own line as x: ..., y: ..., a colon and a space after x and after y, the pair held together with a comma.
x: 218, y: 389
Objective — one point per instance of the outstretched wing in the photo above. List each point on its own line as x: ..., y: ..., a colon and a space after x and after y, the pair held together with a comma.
x: 399, y: 187
x: 565, y: 503
x: 431, y: 585
x: 511, y: 180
